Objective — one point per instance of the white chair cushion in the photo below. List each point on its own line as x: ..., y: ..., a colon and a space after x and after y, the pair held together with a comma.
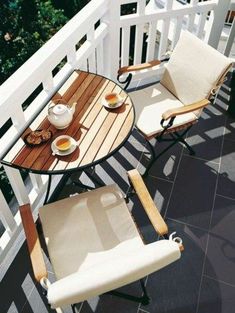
x: 120, y: 270
x: 154, y: 101
x: 81, y: 231
x: 194, y: 69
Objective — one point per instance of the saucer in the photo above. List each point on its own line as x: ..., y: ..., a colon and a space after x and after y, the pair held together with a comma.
x: 66, y: 152
x: 105, y: 103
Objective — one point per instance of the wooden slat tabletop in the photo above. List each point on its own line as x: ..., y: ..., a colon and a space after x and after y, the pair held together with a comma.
x: 98, y: 131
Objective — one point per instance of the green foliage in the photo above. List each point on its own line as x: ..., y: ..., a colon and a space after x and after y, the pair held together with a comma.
x: 25, y: 25
x: 70, y: 7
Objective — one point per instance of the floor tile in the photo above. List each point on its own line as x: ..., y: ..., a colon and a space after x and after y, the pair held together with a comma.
x: 221, y: 247
x: 114, y: 170
x: 165, y: 167
x: 174, y: 289
x: 193, y: 193
x: 226, y: 181
x: 206, y: 136
x: 230, y: 128
x: 17, y: 283
x: 223, y: 217
x: 216, y: 297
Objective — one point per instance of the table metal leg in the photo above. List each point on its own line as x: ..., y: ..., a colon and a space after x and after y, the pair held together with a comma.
x: 48, y: 190
x: 94, y: 180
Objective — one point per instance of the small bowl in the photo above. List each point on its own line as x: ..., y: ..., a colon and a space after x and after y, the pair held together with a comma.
x: 63, y: 143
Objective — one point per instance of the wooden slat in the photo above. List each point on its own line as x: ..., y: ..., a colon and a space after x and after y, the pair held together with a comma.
x: 111, y: 136
x: 126, y: 127
x: 35, y: 251
x: 102, y: 133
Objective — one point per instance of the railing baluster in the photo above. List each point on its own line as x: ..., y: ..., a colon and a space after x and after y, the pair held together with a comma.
x: 91, y: 58
x: 48, y: 83
x: 230, y: 40
x: 191, y: 17
x: 100, y: 59
x: 125, y: 46
x: 18, y: 119
x: 201, y: 24
x: 141, y: 7
x: 17, y: 185
x: 6, y: 216
x: 177, y: 31
x: 36, y: 180
x: 151, y: 41
x: 71, y: 56
x: 164, y: 38
x: 165, y: 30
x: 217, y: 18
x: 138, y: 43
x: 112, y: 40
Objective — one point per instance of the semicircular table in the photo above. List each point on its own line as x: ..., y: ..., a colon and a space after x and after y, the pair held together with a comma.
x: 98, y: 131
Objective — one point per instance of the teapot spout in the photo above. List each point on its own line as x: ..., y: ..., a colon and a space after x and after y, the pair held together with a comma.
x: 73, y: 107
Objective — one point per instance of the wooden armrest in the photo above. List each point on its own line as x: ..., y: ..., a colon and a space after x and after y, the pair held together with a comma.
x: 132, y: 68
x: 147, y: 202
x: 185, y: 109
x: 34, y: 246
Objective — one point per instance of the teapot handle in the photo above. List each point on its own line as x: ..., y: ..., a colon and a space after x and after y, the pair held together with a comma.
x: 50, y: 106
x: 53, y: 103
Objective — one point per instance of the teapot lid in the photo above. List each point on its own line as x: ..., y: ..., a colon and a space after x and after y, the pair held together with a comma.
x: 59, y: 109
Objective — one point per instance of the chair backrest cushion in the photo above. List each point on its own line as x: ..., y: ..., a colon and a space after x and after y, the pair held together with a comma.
x: 194, y: 69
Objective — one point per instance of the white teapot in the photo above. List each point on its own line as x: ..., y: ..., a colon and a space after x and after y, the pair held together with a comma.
x: 60, y: 115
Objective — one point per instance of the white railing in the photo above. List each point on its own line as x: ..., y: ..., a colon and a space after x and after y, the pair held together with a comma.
x: 162, y: 21
x: 91, y: 41
x: 82, y: 45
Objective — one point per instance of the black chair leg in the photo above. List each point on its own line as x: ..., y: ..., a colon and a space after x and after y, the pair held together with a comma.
x: 144, y: 299
x: 190, y: 149
x: 156, y: 157
x: 175, y: 138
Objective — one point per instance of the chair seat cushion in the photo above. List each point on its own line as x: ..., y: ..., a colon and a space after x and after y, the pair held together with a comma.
x: 129, y: 266
x: 154, y: 101
x: 82, y: 230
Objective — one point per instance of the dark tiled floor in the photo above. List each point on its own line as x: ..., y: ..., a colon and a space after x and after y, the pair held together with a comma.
x: 197, y: 197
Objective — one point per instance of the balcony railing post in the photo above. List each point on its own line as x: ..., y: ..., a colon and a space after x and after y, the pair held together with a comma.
x: 112, y: 40
x: 17, y: 185
x: 217, y: 17
x: 230, y: 40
